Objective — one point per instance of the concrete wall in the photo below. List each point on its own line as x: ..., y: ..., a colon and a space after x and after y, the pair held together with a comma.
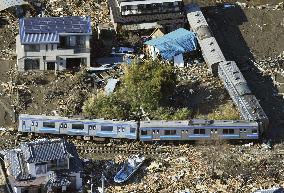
x: 49, y: 53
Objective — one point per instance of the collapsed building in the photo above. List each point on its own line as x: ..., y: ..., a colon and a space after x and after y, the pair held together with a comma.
x: 147, y: 14
x: 43, y: 165
x: 53, y: 43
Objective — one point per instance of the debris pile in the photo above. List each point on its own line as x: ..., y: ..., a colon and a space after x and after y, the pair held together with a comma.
x: 98, y: 11
x: 218, y: 168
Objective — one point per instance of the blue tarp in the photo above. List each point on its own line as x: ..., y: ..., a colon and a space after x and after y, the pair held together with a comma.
x: 174, y: 43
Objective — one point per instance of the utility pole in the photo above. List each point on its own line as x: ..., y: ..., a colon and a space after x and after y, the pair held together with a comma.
x: 92, y: 184
x: 102, y: 189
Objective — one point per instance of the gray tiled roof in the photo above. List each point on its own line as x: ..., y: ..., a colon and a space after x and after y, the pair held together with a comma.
x: 45, y: 150
x: 16, y: 167
x: 41, y: 151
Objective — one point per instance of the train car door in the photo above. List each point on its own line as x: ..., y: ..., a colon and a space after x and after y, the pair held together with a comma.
x: 184, y: 134
x: 214, y: 133
x: 156, y: 134
x: 243, y: 133
x: 63, y: 128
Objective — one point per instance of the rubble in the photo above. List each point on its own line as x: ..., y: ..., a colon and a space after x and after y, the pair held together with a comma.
x: 222, y: 168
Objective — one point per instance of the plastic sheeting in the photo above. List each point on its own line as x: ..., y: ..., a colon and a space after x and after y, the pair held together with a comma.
x: 174, y: 43
x: 4, y: 4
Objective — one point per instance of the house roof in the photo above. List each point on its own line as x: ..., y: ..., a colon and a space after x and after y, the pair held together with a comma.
x: 160, y: 18
x: 174, y: 43
x: 4, y: 4
x: 42, y: 150
x: 36, y: 30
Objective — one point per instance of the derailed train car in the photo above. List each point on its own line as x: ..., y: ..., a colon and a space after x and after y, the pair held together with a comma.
x: 227, y: 71
x: 155, y: 130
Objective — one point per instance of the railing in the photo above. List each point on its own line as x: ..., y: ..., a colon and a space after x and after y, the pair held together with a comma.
x: 76, y: 49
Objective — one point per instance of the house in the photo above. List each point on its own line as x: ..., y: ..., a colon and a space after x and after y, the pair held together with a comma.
x: 172, y: 46
x: 51, y: 165
x: 150, y: 14
x: 53, y: 43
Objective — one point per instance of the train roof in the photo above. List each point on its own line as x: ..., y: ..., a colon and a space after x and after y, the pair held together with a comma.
x: 71, y: 119
x: 211, y: 51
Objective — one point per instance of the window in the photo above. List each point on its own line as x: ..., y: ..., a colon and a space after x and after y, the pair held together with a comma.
x: 62, y: 164
x: 199, y: 131
x: 32, y: 48
x: 49, y: 124
x: 24, y: 123
x: 46, y: 47
x: 143, y: 132
x: 31, y: 64
x: 170, y: 132
x: 40, y: 168
x: 51, y: 46
x: 254, y: 131
x: 57, y: 164
x: 77, y: 126
x: 106, y: 128
x: 228, y: 131
x: 132, y: 130
x: 120, y: 129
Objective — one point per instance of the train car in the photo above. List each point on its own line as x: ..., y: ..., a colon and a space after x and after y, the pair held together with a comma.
x: 77, y: 127
x: 229, y: 72
x: 197, y: 130
x: 211, y: 50
x: 212, y: 54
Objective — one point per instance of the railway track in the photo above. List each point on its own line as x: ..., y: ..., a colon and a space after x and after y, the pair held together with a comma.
x: 113, y: 150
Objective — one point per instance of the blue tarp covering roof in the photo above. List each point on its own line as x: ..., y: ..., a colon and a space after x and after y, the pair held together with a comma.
x: 36, y: 30
x: 174, y: 43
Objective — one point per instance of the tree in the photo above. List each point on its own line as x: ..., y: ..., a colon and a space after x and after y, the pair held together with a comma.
x: 146, y: 86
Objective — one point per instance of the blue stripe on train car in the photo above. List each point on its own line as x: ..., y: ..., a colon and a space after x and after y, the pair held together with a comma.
x: 145, y: 137
x: 48, y: 130
x: 230, y: 136
x: 169, y: 136
x: 198, y: 136
x: 77, y: 132
x: 253, y: 136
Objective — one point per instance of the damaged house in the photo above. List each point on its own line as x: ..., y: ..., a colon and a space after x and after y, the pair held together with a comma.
x: 53, y: 43
x: 43, y: 166
x: 147, y: 14
x: 172, y: 46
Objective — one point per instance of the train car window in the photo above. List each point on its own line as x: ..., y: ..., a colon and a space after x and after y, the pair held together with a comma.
x: 143, y: 132
x: 254, y: 131
x: 199, y: 131
x: 65, y: 125
x: 94, y: 127
x: 36, y: 124
x: 90, y: 127
x: 49, y: 124
x: 78, y: 126
x: 228, y: 131
x: 170, y: 132
x: 132, y: 130
x: 61, y: 125
x: 33, y: 123
x: 245, y: 130
x: 106, y: 128
x: 24, y: 123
